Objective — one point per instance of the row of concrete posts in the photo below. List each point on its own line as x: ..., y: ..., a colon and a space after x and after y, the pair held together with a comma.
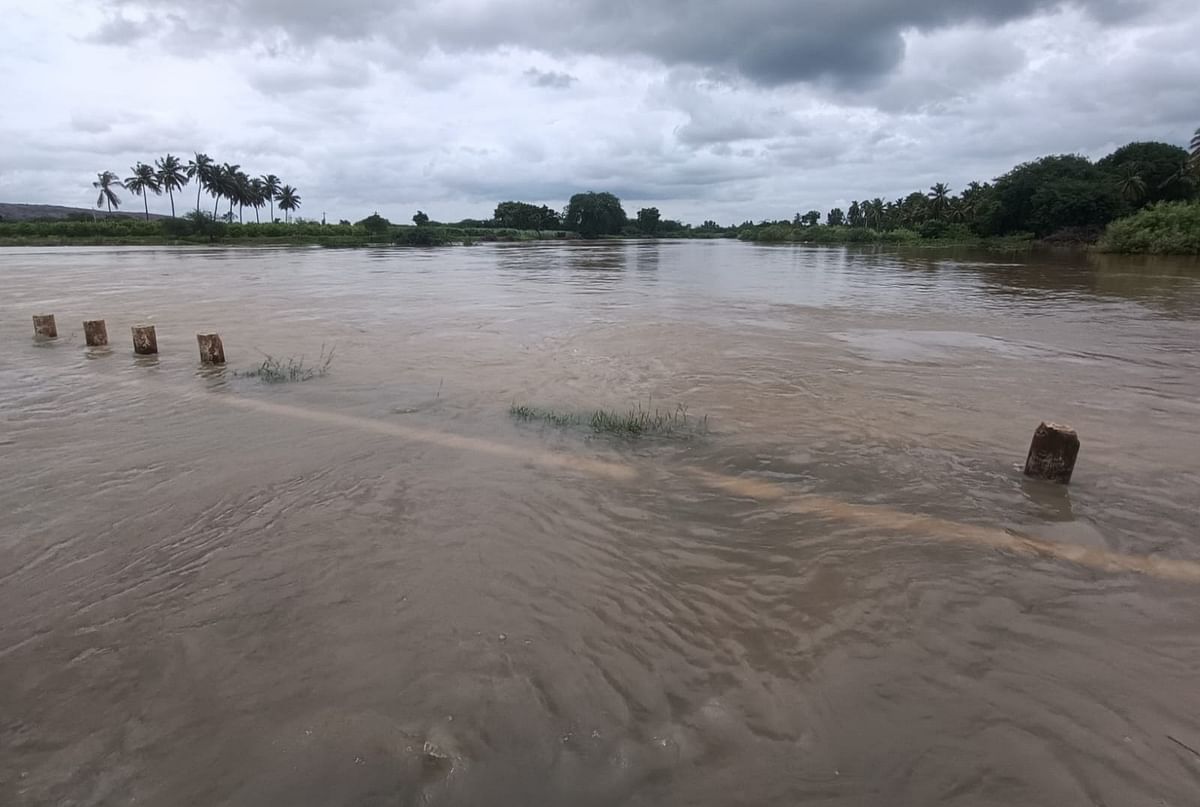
x: 145, y: 340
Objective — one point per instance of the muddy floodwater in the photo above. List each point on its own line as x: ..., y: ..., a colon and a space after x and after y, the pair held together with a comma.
x: 377, y: 588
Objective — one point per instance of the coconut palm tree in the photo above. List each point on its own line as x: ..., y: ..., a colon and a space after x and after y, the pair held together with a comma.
x: 1130, y: 184
x: 200, y: 169
x: 143, y: 182
x: 271, y: 189
x: 258, y: 197
x: 939, y: 198
x: 288, y: 200
x: 876, y: 213
x: 216, y: 185
x: 229, y: 174
x: 171, y: 177
x: 104, y: 183
x: 1195, y: 147
x: 242, y: 193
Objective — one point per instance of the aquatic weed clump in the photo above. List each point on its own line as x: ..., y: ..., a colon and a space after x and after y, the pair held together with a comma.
x: 638, y: 421
x: 533, y: 413
x: 641, y: 420
x: 280, y: 371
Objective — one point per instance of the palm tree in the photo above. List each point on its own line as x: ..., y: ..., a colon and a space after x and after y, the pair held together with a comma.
x: 104, y: 183
x: 939, y: 197
x: 289, y: 200
x: 239, y: 189
x: 1130, y: 184
x: 171, y: 177
x: 271, y: 189
x: 958, y: 210
x: 258, y: 197
x: 216, y: 185
x: 229, y: 184
x: 200, y: 169
x: 1195, y: 147
x: 143, y: 181
x: 875, y: 213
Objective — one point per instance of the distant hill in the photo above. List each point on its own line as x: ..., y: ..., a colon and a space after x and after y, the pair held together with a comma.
x: 18, y: 212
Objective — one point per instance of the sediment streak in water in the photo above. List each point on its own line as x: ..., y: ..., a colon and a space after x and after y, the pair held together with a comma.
x: 884, y: 519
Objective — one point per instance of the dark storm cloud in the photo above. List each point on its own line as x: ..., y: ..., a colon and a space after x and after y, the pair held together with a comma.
x: 550, y: 79
x: 771, y: 42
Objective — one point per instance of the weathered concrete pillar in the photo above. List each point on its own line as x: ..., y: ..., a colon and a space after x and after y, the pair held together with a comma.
x: 211, y: 349
x: 1052, y: 453
x: 145, y: 340
x: 43, y: 326
x: 95, y: 332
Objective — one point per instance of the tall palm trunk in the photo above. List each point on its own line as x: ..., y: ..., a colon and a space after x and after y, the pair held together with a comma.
x: 241, y: 212
x: 146, y: 204
x: 199, y: 187
x: 256, y: 221
x: 171, y: 194
x: 272, y: 210
x: 217, y: 197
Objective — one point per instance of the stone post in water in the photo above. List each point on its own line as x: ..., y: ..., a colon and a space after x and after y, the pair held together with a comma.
x: 211, y: 349
x: 95, y: 332
x: 43, y: 326
x: 1052, y: 453
x: 145, y: 341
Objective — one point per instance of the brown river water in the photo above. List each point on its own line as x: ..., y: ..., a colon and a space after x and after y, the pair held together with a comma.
x: 377, y: 588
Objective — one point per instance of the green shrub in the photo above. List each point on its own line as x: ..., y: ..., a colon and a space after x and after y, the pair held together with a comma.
x: 1167, y: 228
x: 422, y: 237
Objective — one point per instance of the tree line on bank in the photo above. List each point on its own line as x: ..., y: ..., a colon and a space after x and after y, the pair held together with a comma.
x: 1065, y: 197
x: 222, y: 181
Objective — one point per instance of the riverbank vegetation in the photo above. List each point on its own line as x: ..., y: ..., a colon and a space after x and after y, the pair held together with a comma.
x: 221, y: 181
x: 1167, y: 228
x: 202, y: 228
x: 1143, y: 193
x: 1141, y: 197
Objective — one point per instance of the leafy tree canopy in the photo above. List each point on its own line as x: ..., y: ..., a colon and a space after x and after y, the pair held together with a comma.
x: 375, y: 224
x: 525, y: 216
x: 1050, y: 194
x: 1157, y: 165
x: 595, y: 214
x: 648, y: 219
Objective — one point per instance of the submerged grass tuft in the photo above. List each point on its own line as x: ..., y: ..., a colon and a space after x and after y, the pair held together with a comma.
x: 637, y: 421
x: 529, y: 413
x: 280, y: 371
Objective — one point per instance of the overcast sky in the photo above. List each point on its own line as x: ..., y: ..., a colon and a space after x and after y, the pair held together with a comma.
x: 723, y: 109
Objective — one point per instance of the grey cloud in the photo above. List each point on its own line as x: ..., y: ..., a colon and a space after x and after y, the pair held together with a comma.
x: 551, y: 79
x: 280, y: 77
x: 94, y: 122
x: 707, y: 131
x: 120, y: 31
x: 772, y: 42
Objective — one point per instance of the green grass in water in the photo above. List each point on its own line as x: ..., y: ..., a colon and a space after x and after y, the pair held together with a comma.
x: 280, y: 371
x: 637, y: 421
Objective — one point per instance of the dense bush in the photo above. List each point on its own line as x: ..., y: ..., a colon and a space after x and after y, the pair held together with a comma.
x: 423, y: 237
x: 1165, y: 228
x: 99, y: 228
